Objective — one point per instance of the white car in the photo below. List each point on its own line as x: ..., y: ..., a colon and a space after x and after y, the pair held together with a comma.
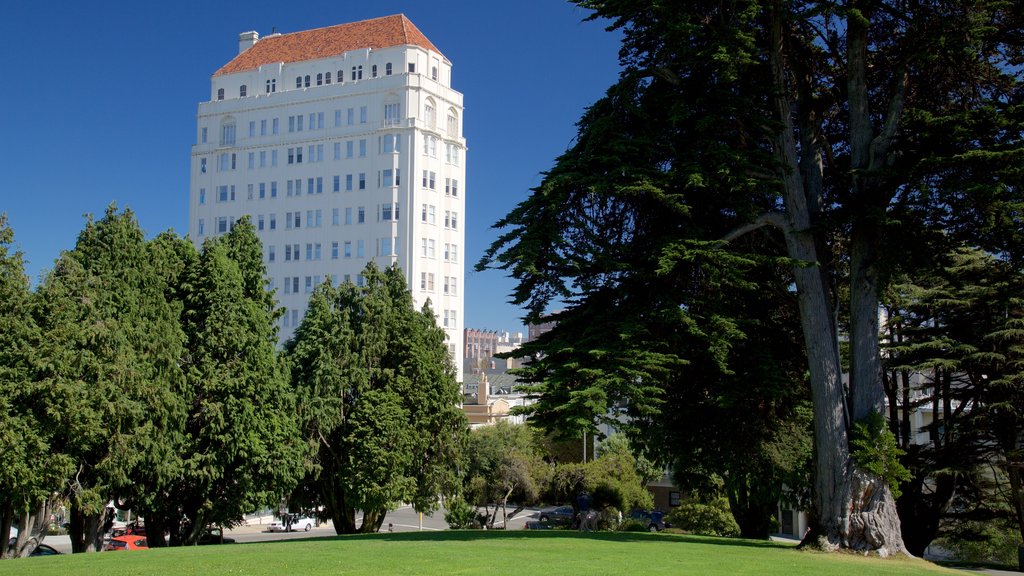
x: 298, y: 523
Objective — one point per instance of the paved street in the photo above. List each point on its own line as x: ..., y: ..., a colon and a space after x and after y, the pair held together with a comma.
x: 405, y: 519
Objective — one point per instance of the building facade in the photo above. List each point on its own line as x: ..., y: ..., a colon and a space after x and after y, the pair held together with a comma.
x: 344, y: 145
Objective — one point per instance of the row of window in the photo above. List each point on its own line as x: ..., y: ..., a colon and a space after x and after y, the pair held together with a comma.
x: 314, y: 121
x: 386, y: 178
x: 324, y: 78
x: 451, y: 251
x: 450, y: 283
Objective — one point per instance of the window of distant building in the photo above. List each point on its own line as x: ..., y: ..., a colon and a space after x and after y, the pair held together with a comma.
x: 327, y: 78
x: 412, y: 67
x: 271, y: 86
x: 373, y: 71
x: 307, y: 80
x: 387, y: 69
x: 298, y: 81
x: 220, y: 94
x: 320, y: 79
x: 433, y: 73
x: 242, y: 90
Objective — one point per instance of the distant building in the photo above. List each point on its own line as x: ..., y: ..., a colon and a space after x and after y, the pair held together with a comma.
x: 344, y: 145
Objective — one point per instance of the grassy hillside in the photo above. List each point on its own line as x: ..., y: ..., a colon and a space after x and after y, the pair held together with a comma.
x: 549, y: 553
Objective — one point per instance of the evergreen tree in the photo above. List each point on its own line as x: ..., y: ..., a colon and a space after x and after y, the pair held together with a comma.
x: 378, y: 401
x: 30, y: 472
x: 110, y: 351
x: 856, y: 130
x: 241, y: 449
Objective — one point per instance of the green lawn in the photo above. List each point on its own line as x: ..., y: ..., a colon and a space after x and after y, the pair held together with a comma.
x: 474, y: 552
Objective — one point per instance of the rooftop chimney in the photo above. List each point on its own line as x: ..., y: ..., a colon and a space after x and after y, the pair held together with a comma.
x: 247, y: 39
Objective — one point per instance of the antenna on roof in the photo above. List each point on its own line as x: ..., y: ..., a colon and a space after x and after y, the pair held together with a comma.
x: 273, y: 29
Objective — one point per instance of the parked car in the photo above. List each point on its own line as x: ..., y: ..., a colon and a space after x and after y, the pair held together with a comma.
x: 44, y: 550
x: 128, y: 542
x: 557, y: 515
x: 214, y: 536
x: 296, y: 523
x: 655, y: 519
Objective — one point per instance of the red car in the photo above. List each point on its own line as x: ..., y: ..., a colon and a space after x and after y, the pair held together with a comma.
x: 128, y: 542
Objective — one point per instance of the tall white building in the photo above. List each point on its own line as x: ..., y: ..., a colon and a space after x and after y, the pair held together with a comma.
x: 344, y: 145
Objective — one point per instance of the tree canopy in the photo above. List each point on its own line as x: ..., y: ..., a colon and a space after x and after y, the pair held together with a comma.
x: 855, y: 135
x: 377, y: 400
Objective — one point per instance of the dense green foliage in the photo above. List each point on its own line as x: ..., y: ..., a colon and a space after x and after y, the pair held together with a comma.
x: 29, y: 468
x: 955, y: 350
x: 712, y: 518
x: 378, y: 402
x: 850, y: 137
x: 240, y: 448
x: 502, y: 465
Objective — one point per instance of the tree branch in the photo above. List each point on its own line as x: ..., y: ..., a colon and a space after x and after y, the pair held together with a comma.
x: 776, y: 219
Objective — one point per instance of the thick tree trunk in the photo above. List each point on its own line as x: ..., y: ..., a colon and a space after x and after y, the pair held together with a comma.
x: 86, y: 530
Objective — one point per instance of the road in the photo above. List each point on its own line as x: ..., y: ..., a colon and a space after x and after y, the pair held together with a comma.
x: 404, y: 519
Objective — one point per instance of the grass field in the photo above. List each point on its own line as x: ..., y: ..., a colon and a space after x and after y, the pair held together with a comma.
x: 548, y: 553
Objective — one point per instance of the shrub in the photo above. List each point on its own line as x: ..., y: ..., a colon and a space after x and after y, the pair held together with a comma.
x: 459, y: 514
x: 713, y: 518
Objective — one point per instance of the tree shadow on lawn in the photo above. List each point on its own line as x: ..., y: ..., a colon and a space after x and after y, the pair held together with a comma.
x: 473, y: 535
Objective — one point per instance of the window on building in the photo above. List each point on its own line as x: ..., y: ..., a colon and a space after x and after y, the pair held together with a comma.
x: 275, y: 125
x: 391, y: 114
x: 362, y: 115
x: 362, y: 148
x: 227, y: 134
x: 361, y: 215
x: 373, y: 71
x: 341, y: 76
x: 389, y: 177
x: 271, y: 86
x: 320, y: 79
x: 348, y: 249
x: 357, y: 73
x: 433, y: 73
x: 348, y: 182
x: 202, y: 227
x: 242, y: 90
x: 334, y: 250
x: 428, y: 114
x: 220, y: 94
x: 202, y: 195
x: 453, y: 125
x: 360, y: 251
x: 327, y: 78
x: 362, y: 181
x: 273, y: 221
x: 273, y: 189
x: 350, y: 147
x: 350, y: 116
x: 222, y: 224
x: 387, y: 69
x: 412, y: 67
x: 307, y: 81
x: 271, y: 253
x: 298, y: 81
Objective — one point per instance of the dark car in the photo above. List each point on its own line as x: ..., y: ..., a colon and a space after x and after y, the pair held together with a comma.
x: 214, y: 536
x: 41, y: 549
x: 654, y: 519
x: 44, y: 550
x: 557, y: 515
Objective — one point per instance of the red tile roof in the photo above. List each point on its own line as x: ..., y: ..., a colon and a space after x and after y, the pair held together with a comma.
x: 383, y: 32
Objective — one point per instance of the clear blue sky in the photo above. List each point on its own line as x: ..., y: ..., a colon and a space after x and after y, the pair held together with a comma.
x: 100, y: 100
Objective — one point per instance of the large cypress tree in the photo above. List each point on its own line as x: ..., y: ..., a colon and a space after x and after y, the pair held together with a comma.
x: 240, y: 447
x: 30, y: 471
x: 848, y: 128
x: 378, y: 401
x: 110, y: 349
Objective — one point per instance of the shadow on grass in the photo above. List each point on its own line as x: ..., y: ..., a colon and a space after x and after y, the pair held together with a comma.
x: 473, y: 535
